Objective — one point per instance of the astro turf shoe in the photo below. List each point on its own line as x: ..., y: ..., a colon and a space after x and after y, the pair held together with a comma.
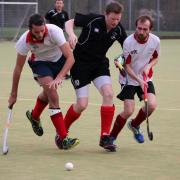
x: 66, y: 143
x: 107, y: 143
x: 138, y: 136
x: 36, y: 124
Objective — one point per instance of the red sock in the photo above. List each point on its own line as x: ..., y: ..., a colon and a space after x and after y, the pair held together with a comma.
x: 118, y: 125
x: 38, y: 109
x: 70, y: 117
x: 141, y: 116
x: 57, y: 119
x: 107, y: 113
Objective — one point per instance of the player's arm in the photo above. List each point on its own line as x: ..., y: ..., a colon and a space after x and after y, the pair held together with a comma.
x: 133, y: 75
x: 66, y: 50
x: 149, y: 66
x: 16, y: 77
x: 154, y: 59
x: 69, y: 28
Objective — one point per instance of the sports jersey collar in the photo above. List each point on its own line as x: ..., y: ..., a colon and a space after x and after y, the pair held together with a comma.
x: 139, y: 41
x: 30, y: 39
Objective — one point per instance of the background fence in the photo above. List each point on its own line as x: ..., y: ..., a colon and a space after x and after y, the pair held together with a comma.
x: 165, y: 13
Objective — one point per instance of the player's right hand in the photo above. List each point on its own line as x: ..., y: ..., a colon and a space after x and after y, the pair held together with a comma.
x: 72, y: 40
x: 12, y: 100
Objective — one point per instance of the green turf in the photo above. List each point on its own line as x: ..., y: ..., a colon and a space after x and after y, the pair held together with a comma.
x: 33, y: 158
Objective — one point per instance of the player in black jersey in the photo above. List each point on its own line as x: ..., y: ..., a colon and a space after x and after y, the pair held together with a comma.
x: 99, y: 32
x: 58, y: 16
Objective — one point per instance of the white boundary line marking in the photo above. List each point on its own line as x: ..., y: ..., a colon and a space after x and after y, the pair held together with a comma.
x: 154, y: 79
x: 92, y: 104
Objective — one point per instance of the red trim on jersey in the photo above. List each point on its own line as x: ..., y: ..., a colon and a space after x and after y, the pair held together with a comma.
x: 140, y: 41
x: 155, y: 55
x: 150, y: 73
x: 32, y: 40
x: 32, y: 58
x: 128, y: 59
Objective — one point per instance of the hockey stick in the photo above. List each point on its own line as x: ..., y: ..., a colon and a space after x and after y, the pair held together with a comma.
x: 150, y: 134
x: 118, y: 63
x: 5, y: 148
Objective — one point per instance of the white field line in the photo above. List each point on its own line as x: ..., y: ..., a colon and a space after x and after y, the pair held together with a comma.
x: 91, y: 104
x: 163, y: 80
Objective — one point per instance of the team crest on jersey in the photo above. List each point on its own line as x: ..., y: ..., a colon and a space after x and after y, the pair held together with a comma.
x: 134, y: 51
x: 113, y: 36
x: 63, y: 16
x: 96, y: 30
x: 33, y: 46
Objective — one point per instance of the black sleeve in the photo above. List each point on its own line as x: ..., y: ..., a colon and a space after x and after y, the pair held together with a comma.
x: 122, y: 34
x: 48, y: 15
x: 82, y: 20
x: 66, y: 16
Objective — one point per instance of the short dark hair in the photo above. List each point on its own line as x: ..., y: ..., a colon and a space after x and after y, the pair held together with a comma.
x: 59, y: 0
x: 36, y: 19
x: 143, y: 19
x: 114, y: 7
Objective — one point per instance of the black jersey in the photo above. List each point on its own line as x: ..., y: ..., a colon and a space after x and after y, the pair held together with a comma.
x: 94, y: 40
x: 57, y: 18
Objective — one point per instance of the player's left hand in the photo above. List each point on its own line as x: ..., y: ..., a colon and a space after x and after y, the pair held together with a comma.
x: 55, y: 83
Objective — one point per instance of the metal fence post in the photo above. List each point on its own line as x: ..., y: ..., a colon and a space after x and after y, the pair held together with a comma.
x: 130, y: 15
x: 158, y: 16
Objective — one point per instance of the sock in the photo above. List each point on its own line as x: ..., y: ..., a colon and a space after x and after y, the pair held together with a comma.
x: 141, y: 116
x: 107, y: 113
x: 118, y: 125
x: 38, y: 108
x: 57, y: 119
x: 70, y: 117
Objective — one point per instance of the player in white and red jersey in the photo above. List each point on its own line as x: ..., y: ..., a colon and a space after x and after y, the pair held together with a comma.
x: 51, y: 58
x: 141, y: 52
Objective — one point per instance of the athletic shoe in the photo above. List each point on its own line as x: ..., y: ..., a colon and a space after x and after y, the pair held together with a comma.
x: 138, y: 136
x: 36, y: 124
x: 67, y: 142
x: 107, y: 143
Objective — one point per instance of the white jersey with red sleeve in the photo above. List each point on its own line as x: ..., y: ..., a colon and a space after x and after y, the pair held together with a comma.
x: 138, y: 55
x: 45, y: 50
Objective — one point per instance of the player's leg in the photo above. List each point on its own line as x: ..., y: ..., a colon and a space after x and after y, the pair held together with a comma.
x: 80, y: 78
x: 103, y: 84
x: 141, y: 116
x: 41, y: 103
x: 134, y: 124
x: 127, y: 96
x: 38, y: 69
x: 122, y: 117
x: 61, y: 139
x: 76, y: 109
x: 34, y: 115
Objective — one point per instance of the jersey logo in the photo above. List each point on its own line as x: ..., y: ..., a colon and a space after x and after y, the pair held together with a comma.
x: 76, y: 83
x: 134, y: 51
x: 113, y: 36
x: 33, y: 46
x: 96, y: 30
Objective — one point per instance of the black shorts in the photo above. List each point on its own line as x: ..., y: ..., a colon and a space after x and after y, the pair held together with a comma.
x: 46, y: 68
x: 129, y: 91
x: 83, y: 73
